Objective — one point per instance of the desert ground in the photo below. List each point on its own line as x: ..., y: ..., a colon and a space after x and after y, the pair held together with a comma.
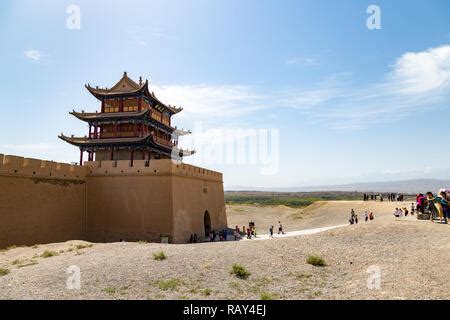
x: 412, y: 257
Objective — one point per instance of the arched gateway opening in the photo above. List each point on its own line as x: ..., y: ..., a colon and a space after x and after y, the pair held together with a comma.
x: 207, y: 223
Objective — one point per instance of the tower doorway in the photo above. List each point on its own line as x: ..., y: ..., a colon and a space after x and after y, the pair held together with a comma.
x: 207, y: 223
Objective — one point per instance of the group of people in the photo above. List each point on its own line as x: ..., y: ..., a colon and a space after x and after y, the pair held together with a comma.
x: 400, y: 212
x: 396, y: 197
x: 212, y: 236
x: 379, y: 196
x: 280, y: 229
x: 250, y: 231
x: 438, y: 204
x: 354, y: 217
x: 373, y: 196
x: 193, y: 238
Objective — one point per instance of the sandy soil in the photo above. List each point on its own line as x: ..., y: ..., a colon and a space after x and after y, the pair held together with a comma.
x: 412, y: 256
x: 319, y: 214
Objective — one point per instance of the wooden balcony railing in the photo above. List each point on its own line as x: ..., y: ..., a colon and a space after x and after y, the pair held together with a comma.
x: 124, y: 134
x: 163, y: 141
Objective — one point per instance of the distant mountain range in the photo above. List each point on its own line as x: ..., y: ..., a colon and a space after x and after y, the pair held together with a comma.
x: 403, y: 186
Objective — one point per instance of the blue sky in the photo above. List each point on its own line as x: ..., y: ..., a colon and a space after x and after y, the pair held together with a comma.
x: 349, y: 104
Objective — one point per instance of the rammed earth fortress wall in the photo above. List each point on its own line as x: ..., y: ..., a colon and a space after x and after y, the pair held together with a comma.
x: 41, y: 201
x: 104, y: 201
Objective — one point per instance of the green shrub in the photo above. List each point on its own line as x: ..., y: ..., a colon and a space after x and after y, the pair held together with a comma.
x: 4, y: 271
x: 48, y: 254
x: 206, y: 292
x: 27, y: 263
x: 17, y: 261
x: 110, y: 290
x: 316, y: 261
x: 171, y: 284
x: 159, y: 256
x: 240, y: 271
x: 268, y: 296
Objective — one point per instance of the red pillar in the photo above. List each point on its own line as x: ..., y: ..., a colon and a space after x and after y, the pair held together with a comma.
x: 121, y: 105
x: 103, y: 105
x: 112, y: 153
x: 90, y: 131
x: 143, y: 154
x: 132, y: 157
x: 81, y: 157
x: 139, y: 103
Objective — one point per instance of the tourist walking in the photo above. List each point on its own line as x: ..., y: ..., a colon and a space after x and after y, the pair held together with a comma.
x: 271, y: 231
x: 356, y: 218
x: 366, y: 216
x: 280, y: 228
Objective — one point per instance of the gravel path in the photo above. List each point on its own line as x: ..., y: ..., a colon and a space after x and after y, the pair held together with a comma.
x: 413, y: 258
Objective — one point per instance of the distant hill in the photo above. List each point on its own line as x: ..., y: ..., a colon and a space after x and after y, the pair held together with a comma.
x: 404, y: 186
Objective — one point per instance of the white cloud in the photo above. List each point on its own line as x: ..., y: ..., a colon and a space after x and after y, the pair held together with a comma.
x: 422, y: 72
x: 308, y: 61
x: 206, y: 102
x: 34, y: 55
x: 416, y: 82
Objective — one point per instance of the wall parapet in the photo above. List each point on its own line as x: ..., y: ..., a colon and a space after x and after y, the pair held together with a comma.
x: 152, y: 167
x: 36, y: 168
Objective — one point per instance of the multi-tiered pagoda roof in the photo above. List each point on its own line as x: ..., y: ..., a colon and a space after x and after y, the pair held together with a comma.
x: 132, y: 122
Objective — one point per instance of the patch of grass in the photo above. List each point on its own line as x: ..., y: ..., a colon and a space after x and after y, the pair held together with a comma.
x: 142, y: 242
x: 240, y: 271
x: 171, y: 284
x: 35, y: 246
x: 11, y: 247
x: 268, y: 296
x: 4, y: 272
x: 23, y: 263
x: 16, y: 262
x: 159, y: 256
x: 302, y: 276
x: 109, y: 290
x: 49, y: 253
x: 83, y: 246
x: 206, y: 292
x: 316, y: 261
x: 27, y: 264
